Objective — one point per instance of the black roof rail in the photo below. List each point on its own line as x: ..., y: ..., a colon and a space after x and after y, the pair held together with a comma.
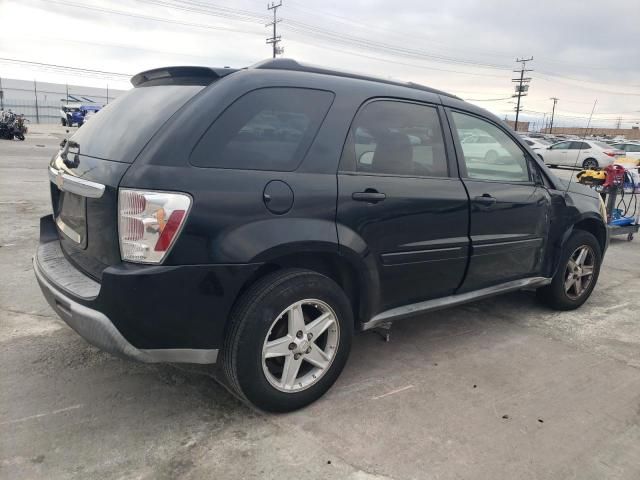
x: 292, y: 65
x: 180, y: 76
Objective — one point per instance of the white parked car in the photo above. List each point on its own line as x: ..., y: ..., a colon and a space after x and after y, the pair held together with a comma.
x: 482, y: 147
x: 630, y: 149
x: 536, y: 143
x: 580, y: 153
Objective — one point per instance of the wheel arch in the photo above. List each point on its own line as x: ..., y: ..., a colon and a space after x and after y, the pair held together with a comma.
x: 587, y: 223
x: 342, y: 266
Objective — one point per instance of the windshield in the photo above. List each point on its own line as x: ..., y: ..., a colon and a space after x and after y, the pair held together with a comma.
x: 125, y: 126
x: 602, y: 145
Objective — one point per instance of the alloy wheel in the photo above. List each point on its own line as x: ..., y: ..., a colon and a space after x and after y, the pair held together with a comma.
x: 300, y: 345
x: 578, y: 274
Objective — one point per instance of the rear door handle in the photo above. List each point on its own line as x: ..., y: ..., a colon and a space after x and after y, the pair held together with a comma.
x: 485, y: 199
x: 369, y: 195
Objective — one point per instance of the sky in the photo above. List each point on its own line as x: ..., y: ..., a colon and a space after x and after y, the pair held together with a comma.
x: 585, y: 52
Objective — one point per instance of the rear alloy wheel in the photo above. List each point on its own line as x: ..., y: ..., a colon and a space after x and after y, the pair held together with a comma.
x: 577, y: 273
x: 288, y: 341
x: 590, y: 164
x: 297, y: 354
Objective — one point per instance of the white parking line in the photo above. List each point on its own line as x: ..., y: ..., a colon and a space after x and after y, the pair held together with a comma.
x: 392, y: 392
x: 40, y: 415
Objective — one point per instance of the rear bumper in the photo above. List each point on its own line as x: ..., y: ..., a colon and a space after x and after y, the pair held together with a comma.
x: 141, y: 312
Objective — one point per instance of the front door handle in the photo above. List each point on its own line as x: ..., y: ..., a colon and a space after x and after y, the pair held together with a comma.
x: 485, y: 199
x: 369, y: 195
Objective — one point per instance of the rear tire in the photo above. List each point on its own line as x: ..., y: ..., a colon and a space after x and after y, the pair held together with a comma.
x: 265, y: 340
x: 572, y: 286
x: 590, y: 163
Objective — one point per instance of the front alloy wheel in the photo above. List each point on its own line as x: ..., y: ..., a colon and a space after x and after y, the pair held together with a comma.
x: 579, y: 272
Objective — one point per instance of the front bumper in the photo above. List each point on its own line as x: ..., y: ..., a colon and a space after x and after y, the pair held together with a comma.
x: 140, y: 312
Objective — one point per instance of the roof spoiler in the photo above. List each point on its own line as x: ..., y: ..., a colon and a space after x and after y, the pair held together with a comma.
x: 180, y: 76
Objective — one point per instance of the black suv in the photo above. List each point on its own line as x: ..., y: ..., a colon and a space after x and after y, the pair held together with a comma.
x: 258, y: 217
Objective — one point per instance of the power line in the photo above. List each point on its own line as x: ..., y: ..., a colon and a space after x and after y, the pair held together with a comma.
x: 65, y: 68
x: 148, y: 17
x: 487, y: 99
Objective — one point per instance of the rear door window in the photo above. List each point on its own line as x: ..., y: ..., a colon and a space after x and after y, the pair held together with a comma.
x: 266, y: 129
x: 396, y: 138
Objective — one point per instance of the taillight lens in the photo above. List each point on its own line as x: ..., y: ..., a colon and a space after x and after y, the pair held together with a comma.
x: 149, y: 223
x: 614, y: 153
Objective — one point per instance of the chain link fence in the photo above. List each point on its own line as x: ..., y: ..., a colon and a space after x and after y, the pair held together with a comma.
x: 44, y: 113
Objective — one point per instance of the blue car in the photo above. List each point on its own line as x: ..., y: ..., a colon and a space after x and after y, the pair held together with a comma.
x: 71, y: 115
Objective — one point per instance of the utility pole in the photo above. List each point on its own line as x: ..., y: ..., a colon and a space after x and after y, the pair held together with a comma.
x: 35, y: 93
x: 523, y: 84
x: 1, y: 95
x: 553, y: 112
x: 275, y: 39
x: 618, y: 123
x: 67, y: 85
x: 107, y: 94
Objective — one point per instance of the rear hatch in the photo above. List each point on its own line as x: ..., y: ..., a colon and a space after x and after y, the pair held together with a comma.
x: 86, y: 172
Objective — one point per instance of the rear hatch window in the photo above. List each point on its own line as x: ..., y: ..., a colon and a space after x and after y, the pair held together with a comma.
x: 121, y: 130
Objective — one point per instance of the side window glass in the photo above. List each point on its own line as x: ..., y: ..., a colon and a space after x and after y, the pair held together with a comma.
x: 396, y: 138
x: 266, y: 129
x: 561, y: 146
x: 499, y: 158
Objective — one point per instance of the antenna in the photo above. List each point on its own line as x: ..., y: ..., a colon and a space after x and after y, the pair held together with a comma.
x: 584, y: 136
x: 275, y: 39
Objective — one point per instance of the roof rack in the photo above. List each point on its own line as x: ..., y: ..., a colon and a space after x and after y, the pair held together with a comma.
x: 292, y: 65
x: 180, y: 76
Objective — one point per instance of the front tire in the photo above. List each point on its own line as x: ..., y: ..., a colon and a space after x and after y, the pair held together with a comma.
x: 288, y: 340
x: 63, y: 122
x: 577, y: 273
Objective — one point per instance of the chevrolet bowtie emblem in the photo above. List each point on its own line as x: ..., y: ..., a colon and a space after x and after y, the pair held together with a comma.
x: 59, y: 179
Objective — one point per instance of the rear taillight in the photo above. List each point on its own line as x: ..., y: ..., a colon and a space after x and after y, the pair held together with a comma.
x: 614, y: 153
x: 149, y: 223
